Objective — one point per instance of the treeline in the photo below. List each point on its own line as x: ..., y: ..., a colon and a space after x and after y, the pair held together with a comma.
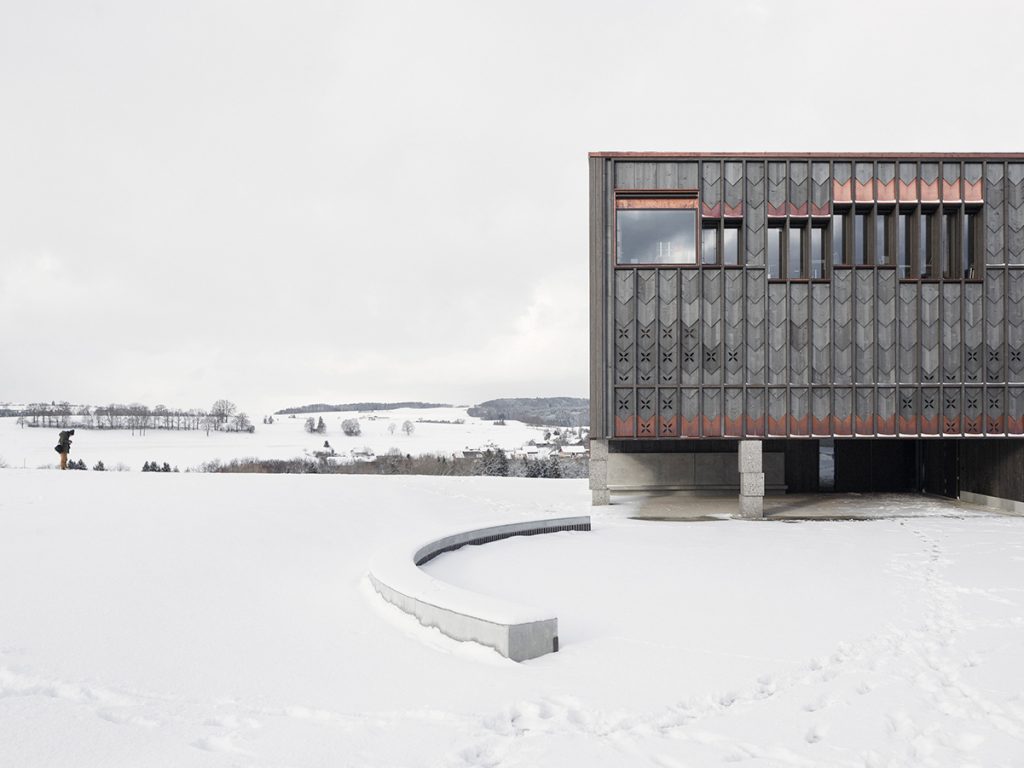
x: 325, y: 408
x: 540, y: 411
x: 222, y: 416
x: 493, y: 463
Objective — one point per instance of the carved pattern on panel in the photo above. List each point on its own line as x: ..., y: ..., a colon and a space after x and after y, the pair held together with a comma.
x: 972, y: 183
x: 777, y: 408
x: 886, y: 183
x: 974, y: 349
x: 646, y: 327
x: 799, y: 411
x: 821, y: 411
x: 863, y: 174
x: 753, y: 219
x: 820, y: 183
x: 929, y: 182
x: 994, y: 225
x: 908, y: 343
x: 733, y: 207
x: 908, y: 409
x: 950, y: 410
x: 798, y: 194
x: 712, y: 327
x: 712, y: 412
x: 711, y: 188
x: 625, y: 326
x: 799, y: 333
x: 733, y: 421
x: 930, y: 410
x: 973, y: 411
x: 668, y: 412
x: 995, y: 280
x: 1015, y: 213
x: 929, y: 333
x: 995, y: 413
x: 885, y: 342
x: 689, y: 412
x: 885, y: 403
x: 733, y: 348
x: 842, y: 325
x: 908, y: 183
x: 689, y: 327
x: 755, y: 412
x: 1015, y: 326
x: 776, y: 189
x: 821, y: 333
x: 864, y: 326
x: 842, y: 411
x: 625, y: 413
x: 864, y: 412
x: 951, y: 182
x: 951, y: 333
x: 756, y: 313
x: 842, y: 183
x: 668, y: 326
x: 777, y: 333
x: 646, y: 413
x: 1015, y: 410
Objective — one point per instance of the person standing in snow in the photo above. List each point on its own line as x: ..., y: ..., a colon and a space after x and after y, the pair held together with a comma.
x: 63, y: 447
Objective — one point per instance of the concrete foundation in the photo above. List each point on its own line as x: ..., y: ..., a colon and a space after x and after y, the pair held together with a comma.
x: 751, y: 479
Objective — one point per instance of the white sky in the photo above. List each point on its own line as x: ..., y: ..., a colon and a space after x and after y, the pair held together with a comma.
x: 302, y: 201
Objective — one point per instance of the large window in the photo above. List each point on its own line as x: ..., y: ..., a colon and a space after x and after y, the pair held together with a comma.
x: 656, y: 231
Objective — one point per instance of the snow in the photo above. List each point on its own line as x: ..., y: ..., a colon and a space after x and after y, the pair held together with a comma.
x: 286, y: 438
x: 226, y: 620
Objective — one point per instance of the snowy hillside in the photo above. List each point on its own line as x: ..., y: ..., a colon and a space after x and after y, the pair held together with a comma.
x: 225, y: 620
x: 284, y: 439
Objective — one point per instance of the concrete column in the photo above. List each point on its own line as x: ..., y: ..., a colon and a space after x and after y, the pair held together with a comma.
x: 599, y: 472
x: 751, y: 479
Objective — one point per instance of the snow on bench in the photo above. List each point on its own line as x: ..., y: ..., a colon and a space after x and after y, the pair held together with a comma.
x: 516, y: 631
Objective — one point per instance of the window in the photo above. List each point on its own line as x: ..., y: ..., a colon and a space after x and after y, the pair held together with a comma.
x: 969, y: 246
x: 774, y: 253
x: 881, y: 249
x: 860, y: 238
x: 924, y: 246
x: 838, y: 238
x: 731, y: 245
x: 709, y: 245
x: 656, y: 231
x: 904, y: 238
x: 795, y: 253
x: 950, y: 242
x: 818, y: 254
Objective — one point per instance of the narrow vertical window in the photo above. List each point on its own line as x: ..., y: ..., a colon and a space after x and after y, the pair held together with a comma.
x: 860, y: 245
x: 952, y: 252
x: 838, y: 238
x: 774, y: 253
x: 709, y: 245
x: 795, y: 253
x: 969, y: 245
x: 924, y: 246
x: 882, y: 225
x: 731, y: 246
x: 817, y: 253
x: 903, y: 240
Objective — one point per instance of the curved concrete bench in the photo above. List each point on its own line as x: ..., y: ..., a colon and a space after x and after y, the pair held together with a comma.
x: 515, y: 631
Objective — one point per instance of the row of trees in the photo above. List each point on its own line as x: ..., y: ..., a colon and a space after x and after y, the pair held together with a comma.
x: 223, y: 415
x: 351, y: 428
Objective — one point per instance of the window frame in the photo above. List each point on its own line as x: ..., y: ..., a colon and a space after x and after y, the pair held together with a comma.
x: 655, y: 199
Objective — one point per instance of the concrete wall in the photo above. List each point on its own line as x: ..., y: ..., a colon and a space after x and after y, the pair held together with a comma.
x: 687, y: 471
x: 517, y: 632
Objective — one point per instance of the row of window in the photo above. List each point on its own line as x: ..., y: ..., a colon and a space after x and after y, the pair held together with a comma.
x: 920, y: 242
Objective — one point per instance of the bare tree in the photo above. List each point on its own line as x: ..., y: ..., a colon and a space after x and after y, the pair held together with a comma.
x: 223, y: 410
x: 407, y: 427
x: 241, y: 423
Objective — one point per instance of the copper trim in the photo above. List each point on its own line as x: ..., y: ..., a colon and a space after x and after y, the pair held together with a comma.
x: 671, y: 203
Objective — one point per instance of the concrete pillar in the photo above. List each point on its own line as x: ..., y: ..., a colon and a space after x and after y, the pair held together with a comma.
x: 599, y: 472
x: 751, y: 479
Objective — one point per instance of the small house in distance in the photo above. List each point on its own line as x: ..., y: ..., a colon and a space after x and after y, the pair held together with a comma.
x: 864, y: 305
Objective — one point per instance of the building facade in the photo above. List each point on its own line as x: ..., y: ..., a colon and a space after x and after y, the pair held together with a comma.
x: 868, y: 303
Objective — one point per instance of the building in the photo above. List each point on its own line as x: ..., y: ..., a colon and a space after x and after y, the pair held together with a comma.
x: 861, y: 306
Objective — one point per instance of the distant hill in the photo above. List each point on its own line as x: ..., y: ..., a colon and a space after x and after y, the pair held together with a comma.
x: 543, y: 411
x: 325, y: 408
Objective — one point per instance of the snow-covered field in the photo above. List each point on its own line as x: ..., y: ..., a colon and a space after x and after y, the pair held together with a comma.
x: 225, y: 620
x: 284, y: 439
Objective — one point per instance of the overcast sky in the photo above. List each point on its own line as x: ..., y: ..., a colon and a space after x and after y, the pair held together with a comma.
x: 291, y: 202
